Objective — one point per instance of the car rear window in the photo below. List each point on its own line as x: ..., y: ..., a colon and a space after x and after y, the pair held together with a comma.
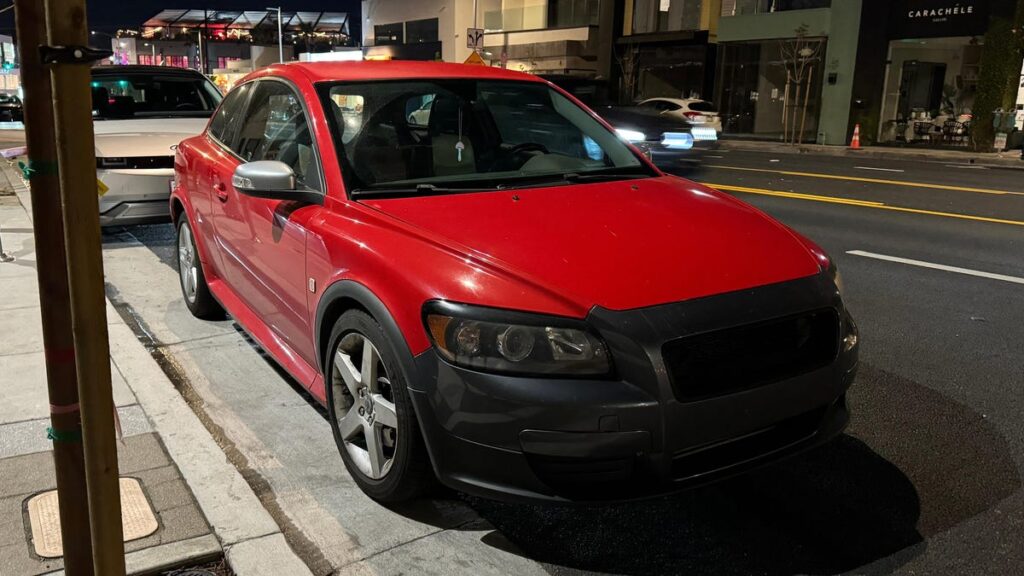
x: 132, y: 94
x: 702, y: 106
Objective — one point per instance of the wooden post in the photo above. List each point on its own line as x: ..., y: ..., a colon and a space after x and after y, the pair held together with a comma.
x: 54, y: 298
x: 72, y: 97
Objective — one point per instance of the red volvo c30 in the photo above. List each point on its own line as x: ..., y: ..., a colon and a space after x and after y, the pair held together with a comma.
x: 486, y: 285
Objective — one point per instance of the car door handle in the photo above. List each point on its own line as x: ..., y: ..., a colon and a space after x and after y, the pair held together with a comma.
x: 221, y: 190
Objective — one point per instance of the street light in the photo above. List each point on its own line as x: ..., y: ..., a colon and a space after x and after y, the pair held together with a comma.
x: 280, y: 38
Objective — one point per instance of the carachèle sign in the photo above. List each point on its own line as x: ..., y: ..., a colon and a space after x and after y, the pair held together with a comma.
x: 935, y: 18
x: 942, y: 12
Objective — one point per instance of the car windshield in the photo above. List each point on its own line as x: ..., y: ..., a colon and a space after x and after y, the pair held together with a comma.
x: 150, y: 94
x: 474, y: 134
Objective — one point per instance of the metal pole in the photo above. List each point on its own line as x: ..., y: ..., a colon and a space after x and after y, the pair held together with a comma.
x: 280, y: 38
x: 202, y: 61
x: 66, y: 26
x: 54, y: 296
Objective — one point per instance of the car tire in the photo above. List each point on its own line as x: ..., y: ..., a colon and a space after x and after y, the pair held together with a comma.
x: 194, y: 290
x: 374, y: 417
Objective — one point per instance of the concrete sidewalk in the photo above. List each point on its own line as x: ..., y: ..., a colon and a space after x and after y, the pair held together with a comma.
x: 203, y: 506
x: 1010, y: 159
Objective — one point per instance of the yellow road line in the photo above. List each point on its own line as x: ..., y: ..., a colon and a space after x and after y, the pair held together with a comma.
x: 870, y: 180
x: 861, y: 203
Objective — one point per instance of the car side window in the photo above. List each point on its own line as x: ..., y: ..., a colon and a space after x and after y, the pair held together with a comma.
x: 225, y: 119
x: 274, y: 127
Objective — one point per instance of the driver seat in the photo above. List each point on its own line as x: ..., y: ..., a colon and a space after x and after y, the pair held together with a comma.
x: 444, y: 136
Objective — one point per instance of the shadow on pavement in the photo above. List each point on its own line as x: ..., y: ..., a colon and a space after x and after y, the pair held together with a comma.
x: 914, y: 464
x: 820, y: 514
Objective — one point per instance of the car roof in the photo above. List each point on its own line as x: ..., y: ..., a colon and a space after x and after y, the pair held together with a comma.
x: 392, y: 70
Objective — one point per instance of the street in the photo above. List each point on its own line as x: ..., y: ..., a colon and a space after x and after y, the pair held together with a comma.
x: 927, y: 478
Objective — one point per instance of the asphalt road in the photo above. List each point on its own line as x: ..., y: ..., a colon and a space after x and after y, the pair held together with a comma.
x: 926, y: 480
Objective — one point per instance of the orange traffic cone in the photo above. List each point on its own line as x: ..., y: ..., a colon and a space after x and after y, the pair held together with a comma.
x: 855, y: 142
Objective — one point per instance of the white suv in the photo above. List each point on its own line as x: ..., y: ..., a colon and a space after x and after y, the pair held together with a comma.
x: 140, y: 113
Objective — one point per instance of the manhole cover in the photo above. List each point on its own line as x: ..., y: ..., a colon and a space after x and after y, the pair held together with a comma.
x: 137, y: 519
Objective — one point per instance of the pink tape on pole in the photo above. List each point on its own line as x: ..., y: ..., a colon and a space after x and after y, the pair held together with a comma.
x: 66, y: 409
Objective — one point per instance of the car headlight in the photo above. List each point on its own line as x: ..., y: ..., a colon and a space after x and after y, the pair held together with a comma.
x: 631, y: 136
x: 493, y: 340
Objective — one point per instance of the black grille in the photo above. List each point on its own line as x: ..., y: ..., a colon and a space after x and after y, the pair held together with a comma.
x: 726, y: 361
x: 135, y: 162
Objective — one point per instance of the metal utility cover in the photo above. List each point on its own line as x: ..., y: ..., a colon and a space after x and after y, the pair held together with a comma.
x: 137, y: 518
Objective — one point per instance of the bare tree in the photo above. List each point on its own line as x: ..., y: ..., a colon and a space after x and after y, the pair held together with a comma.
x: 799, y: 54
x: 629, y: 65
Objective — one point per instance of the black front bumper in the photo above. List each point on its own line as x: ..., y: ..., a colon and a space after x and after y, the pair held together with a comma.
x: 635, y: 435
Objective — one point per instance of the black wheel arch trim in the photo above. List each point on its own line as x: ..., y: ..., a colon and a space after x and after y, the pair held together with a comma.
x: 365, y: 298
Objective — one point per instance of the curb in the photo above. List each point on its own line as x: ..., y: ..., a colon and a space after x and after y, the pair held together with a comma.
x: 1009, y: 160
x: 168, y: 556
x: 250, y: 539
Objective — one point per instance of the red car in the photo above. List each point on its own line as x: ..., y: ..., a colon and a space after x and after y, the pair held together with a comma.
x: 502, y: 293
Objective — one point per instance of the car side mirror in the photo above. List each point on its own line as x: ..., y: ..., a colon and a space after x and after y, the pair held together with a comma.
x: 272, y: 180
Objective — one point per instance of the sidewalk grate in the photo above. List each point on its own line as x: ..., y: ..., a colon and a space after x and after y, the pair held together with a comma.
x: 137, y: 518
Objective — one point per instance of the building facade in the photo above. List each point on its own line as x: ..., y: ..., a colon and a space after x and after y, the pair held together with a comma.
x: 786, y: 68
x: 667, y: 48
x: 536, y: 36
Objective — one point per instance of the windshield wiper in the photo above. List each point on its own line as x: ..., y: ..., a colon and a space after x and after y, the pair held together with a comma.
x: 584, y: 177
x: 417, y: 190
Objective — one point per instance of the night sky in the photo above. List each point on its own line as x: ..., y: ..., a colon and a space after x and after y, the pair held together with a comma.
x: 109, y: 15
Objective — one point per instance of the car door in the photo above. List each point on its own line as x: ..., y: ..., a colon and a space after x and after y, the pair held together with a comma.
x: 216, y: 152
x: 264, y: 241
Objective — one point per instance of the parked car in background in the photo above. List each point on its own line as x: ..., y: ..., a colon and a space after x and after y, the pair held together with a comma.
x: 509, y: 298
x: 10, y: 108
x: 140, y: 114
x: 665, y: 138
x: 700, y: 113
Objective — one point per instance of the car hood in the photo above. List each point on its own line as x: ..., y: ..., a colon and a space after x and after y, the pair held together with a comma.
x: 144, y: 137
x: 618, y: 245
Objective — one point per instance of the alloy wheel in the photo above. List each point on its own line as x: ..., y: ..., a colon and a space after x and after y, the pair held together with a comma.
x: 187, y: 264
x: 364, y: 405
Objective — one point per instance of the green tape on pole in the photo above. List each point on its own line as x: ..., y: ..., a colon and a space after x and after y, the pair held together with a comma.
x: 66, y: 436
x: 43, y: 168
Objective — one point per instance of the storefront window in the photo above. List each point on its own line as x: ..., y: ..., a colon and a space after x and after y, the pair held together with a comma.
x: 572, y: 13
x: 759, y: 99
x: 673, y: 71
x: 417, y: 31
x: 386, y: 34
x: 666, y: 15
x: 737, y: 7
x: 930, y: 86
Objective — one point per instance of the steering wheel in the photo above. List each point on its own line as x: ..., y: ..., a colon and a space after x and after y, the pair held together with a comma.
x: 529, y: 147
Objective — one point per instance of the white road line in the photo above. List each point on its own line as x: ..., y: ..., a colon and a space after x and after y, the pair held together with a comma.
x: 923, y: 264
x: 967, y: 166
x: 711, y: 156
x: 878, y: 169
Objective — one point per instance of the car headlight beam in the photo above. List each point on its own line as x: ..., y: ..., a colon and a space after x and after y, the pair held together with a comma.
x: 631, y: 136
x: 479, y: 339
